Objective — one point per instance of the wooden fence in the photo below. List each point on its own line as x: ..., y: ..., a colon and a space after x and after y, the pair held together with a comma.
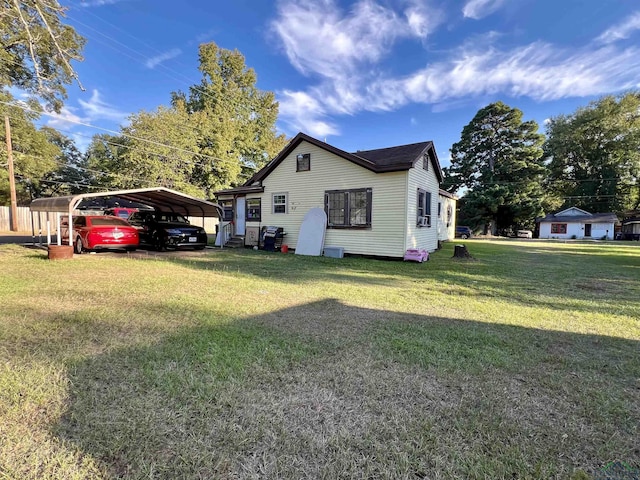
x: 40, y: 221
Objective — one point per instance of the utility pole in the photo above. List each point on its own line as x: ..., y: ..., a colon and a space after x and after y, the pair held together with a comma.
x: 12, y: 180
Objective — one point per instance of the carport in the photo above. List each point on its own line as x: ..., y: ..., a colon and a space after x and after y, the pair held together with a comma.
x: 159, y: 198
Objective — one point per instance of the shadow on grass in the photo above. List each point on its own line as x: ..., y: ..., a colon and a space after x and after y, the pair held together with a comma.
x: 326, y: 390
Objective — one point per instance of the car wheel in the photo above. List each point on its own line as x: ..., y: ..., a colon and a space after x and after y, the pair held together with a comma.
x: 78, y: 247
x: 159, y: 244
x: 464, y: 236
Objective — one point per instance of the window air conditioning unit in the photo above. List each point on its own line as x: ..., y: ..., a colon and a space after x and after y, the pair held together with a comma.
x: 424, y: 221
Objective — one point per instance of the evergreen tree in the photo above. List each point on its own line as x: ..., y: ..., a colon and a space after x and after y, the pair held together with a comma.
x: 499, y: 162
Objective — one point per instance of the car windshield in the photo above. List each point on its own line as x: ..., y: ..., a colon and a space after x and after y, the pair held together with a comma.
x: 171, y: 217
x: 114, y: 221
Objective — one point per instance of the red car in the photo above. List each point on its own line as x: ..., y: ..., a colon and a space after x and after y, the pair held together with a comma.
x: 97, y: 232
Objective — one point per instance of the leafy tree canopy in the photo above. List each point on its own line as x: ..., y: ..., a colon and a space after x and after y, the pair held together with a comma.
x: 594, y: 155
x: 36, y: 49
x: 234, y: 120
x: 498, y: 161
x: 34, y: 156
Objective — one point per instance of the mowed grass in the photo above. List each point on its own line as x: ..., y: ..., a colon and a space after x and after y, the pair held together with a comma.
x: 524, y: 363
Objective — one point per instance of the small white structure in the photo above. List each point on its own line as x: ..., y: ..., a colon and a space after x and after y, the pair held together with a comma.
x: 447, y: 203
x: 579, y: 224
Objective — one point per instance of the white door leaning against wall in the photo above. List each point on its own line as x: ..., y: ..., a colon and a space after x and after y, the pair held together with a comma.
x: 241, y: 207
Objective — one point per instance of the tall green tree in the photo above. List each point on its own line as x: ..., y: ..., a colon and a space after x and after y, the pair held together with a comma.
x: 69, y: 177
x: 499, y: 163
x: 102, y: 159
x: 34, y: 156
x: 161, y: 150
x: 36, y: 49
x: 233, y: 119
x: 594, y: 155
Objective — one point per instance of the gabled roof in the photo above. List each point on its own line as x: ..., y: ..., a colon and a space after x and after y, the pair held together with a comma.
x: 589, y: 217
x: 392, y: 159
x: 160, y: 198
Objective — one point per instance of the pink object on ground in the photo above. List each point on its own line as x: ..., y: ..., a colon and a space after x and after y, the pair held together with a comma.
x: 416, y: 255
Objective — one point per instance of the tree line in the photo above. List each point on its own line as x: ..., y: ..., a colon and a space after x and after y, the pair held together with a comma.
x: 221, y: 130
x: 508, y: 173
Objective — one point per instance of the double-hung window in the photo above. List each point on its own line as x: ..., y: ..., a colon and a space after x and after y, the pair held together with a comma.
x: 279, y: 203
x: 348, y: 208
x: 423, y: 208
x: 559, y: 228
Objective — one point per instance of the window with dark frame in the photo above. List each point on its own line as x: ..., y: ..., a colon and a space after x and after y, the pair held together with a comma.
x: 559, y: 228
x: 254, y: 210
x: 425, y: 161
x: 227, y: 210
x: 423, y: 210
x: 279, y: 203
x: 348, y: 208
x: 303, y: 162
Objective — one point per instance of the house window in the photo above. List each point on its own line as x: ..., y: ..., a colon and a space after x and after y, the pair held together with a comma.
x: 439, y: 209
x: 558, y: 228
x: 423, y: 209
x: 227, y: 210
x: 254, y: 210
x: 279, y: 203
x: 348, y: 208
x: 425, y: 161
x: 303, y: 162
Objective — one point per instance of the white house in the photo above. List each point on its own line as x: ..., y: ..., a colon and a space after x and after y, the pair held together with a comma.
x: 576, y: 223
x: 378, y: 202
x: 447, y: 203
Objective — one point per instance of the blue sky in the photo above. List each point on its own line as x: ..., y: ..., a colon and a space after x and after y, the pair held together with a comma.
x: 359, y: 74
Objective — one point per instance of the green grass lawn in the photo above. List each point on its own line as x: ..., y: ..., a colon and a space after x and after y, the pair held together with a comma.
x: 237, y: 364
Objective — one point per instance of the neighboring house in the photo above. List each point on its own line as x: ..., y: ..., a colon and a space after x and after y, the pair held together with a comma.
x: 576, y: 223
x: 630, y: 229
x: 378, y: 202
x: 447, y: 204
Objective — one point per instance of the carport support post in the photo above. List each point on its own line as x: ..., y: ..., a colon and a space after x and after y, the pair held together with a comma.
x: 58, y: 229
x: 48, y: 230
x: 70, y: 226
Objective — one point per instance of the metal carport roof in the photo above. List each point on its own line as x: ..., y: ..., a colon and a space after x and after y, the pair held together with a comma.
x: 159, y: 198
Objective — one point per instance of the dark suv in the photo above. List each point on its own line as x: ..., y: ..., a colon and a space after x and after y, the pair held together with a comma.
x: 162, y: 230
x: 463, y: 232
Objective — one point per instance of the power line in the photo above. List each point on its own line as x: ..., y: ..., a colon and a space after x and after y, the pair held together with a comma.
x: 27, y: 109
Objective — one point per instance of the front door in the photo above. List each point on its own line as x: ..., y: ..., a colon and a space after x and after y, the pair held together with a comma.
x: 587, y: 229
x: 240, y: 215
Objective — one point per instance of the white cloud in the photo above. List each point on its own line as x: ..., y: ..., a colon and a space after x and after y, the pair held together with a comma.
x: 621, y: 31
x: 65, y: 119
x: 97, y: 109
x: 478, y: 9
x: 302, y: 112
x: 319, y: 38
x: 163, y: 57
x: 345, y: 51
x: 538, y: 71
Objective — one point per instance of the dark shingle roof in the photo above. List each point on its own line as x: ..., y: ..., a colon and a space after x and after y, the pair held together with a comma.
x: 381, y: 160
x: 400, y: 155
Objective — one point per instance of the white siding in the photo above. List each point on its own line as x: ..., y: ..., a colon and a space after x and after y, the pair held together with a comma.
x: 446, y: 223
x: 305, y: 190
x: 422, y: 237
x: 576, y: 230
